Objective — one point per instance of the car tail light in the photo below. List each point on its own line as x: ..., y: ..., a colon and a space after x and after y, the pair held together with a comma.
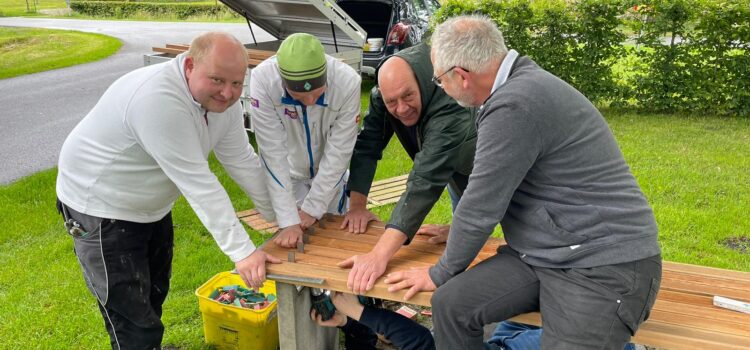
x: 397, y: 36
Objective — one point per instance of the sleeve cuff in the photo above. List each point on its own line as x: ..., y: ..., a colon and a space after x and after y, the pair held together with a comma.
x: 438, y: 275
x: 288, y: 221
x: 397, y: 227
x: 314, y: 212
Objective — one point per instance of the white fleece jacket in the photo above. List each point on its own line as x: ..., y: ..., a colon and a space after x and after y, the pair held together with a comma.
x: 145, y: 142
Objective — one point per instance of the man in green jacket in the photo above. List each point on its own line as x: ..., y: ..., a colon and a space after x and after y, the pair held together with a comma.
x: 437, y: 133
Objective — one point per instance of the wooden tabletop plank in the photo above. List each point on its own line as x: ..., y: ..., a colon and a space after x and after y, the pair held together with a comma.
x: 336, y: 278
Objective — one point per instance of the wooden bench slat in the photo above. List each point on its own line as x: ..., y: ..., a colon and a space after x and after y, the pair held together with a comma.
x: 671, y: 336
x: 389, y: 183
x: 716, y: 281
x: 245, y: 213
x: 183, y: 47
x: 389, y: 192
x: 699, y: 288
x: 715, y: 320
x: 401, y: 178
x: 167, y: 50
x: 707, y: 271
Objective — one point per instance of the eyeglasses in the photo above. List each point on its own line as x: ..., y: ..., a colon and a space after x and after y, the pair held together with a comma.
x: 436, y: 79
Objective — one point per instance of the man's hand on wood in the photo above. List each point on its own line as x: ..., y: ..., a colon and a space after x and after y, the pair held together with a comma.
x: 417, y: 280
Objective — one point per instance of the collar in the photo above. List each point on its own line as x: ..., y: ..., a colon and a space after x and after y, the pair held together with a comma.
x: 288, y: 100
x: 504, y: 71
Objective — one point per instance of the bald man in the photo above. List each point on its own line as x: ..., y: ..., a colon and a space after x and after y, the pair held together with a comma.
x: 145, y: 143
x: 437, y: 133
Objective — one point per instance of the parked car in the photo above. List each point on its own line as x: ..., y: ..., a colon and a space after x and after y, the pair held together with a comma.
x: 397, y: 23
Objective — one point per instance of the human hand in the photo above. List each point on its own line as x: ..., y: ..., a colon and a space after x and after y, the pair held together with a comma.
x: 438, y: 233
x: 417, y: 280
x: 348, y: 304
x: 306, y: 220
x: 366, y: 269
x: 289, y: 236
x: 357, y: 219
x: 337, y: 320
x: 252, y: 269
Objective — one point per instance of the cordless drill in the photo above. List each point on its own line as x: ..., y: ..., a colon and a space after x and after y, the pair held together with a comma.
x: 321, y: 302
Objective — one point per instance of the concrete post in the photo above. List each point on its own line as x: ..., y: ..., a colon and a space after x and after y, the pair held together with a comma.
x: 296, y: 330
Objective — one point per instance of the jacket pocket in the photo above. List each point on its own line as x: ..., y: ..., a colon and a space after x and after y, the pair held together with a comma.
x: 550, y: 234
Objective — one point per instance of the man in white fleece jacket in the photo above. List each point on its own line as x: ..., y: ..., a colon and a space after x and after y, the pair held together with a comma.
x: 305, y: 106
x: 121, y: 169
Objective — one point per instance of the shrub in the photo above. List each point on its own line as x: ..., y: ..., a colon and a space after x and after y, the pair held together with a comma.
x: 120, y: 9
x: 660, y: 55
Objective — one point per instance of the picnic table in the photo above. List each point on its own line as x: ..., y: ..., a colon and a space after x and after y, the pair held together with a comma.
x: 683, y: 316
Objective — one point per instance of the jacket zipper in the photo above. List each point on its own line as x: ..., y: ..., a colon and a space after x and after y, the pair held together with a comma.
x: 309, y: 142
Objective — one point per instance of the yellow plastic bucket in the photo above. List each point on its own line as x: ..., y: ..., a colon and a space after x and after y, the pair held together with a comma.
x: 234, y: 327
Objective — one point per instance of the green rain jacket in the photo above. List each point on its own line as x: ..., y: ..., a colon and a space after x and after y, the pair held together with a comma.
x: 444, y: 154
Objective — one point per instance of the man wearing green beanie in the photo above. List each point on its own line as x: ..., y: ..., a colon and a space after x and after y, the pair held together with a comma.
x: 304, y: 107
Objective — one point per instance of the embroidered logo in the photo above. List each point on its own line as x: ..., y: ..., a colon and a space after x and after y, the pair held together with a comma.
x: 307, y: 86
x: 291, y: 113
x: 254, y: 102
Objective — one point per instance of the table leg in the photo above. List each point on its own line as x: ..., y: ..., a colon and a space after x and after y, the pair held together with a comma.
x: 296, y: 330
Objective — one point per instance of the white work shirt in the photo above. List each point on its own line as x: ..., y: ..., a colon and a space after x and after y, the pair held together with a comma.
x: 304, y: 143
x: 145, y: 142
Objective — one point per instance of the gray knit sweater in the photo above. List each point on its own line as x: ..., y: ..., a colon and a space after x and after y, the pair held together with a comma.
x: 548, y: 169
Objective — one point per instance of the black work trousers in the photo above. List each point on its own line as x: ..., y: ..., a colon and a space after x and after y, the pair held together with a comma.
x: 581, y: 308
x: 126, y: 266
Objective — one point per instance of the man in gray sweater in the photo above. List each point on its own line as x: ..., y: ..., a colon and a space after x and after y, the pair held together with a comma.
x: 582, y: 239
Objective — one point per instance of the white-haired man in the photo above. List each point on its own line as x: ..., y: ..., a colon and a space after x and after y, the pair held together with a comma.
x: 582, y: 239
x: 124, y: 165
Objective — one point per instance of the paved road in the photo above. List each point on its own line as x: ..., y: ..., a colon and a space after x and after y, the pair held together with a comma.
x: 37, y: 111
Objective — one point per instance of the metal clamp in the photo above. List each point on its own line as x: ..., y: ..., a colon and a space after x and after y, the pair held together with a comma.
x: 295, y: 279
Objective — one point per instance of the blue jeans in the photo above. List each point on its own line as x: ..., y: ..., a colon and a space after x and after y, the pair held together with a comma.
x: 518, y: 336
x: 455, y: 197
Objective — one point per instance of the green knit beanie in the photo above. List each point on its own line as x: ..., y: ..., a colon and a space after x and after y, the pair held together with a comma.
x: 302, y: 62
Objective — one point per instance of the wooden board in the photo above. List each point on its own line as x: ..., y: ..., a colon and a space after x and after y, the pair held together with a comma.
x: 386, y: 191
x: 329, y: 245
x: 683, y: 316
x: 255, y: 56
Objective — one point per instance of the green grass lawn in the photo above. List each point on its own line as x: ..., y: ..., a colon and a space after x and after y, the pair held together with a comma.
x: 27, y: 50
x: 694, y: 170
x: 11, y: 8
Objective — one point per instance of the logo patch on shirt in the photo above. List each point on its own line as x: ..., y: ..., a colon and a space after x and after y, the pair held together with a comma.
x: 291, y: 113
x: 254, y: 102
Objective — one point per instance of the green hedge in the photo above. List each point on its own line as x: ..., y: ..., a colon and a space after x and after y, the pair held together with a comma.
x: 120, y: 9
x: 162, y: 1
x: 666, y: 55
